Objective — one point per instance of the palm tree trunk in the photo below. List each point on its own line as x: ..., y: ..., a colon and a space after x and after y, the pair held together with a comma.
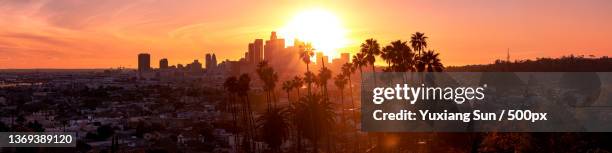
x: 298, y: 93
x: 342, y: 106
x: 288, y: 98
x: 374, y: 74
x: 309, y: 83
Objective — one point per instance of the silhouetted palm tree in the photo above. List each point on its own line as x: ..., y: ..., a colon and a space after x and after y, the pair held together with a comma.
x: 431, y: 62
x: 347, y: 70
x: 314, y: 118
x: 274, y: 128
x: 298, y: 82
x: 287, y: 87
x: 310, y: 78
x: 418, y: 42
x: 370, y: 49
x: 340, y: 82
x: 306, y: 52
x: 324, y: 75
x: 359, y: 62
x: 398, y: 56
x: 387, y: 54
x: 231, y: 85
x: 244, y: 86
x: 269, y: 78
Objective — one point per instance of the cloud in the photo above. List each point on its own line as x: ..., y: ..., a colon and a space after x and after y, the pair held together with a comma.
x: 35, y: 38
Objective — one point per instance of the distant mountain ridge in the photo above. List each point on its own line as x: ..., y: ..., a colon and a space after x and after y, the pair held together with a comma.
x: 564, y: 64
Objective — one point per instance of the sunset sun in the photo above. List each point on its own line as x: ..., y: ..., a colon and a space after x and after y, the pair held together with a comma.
x: 320, y: 27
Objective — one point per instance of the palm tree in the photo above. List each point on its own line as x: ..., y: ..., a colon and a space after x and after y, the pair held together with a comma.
x: 306, y: 52
x: 243, y: 86
x: 359, y: 62
x: 288, y: 86
x: 389, y: 54
x: 340, y: 82
x: 312, y: 114
x: 274, y: 128
x: 398, y: 55
x: 418, y: 42
x: 298, y: 82
x: 269, y: 77
x: 370, y: 49
x: 431, y: 62
x: 309, y: 78
x: 347, y: 70
x: 324, y: 75
x: 231, y: 85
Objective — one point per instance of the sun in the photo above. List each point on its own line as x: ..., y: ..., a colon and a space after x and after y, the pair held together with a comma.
x: 320, y: 27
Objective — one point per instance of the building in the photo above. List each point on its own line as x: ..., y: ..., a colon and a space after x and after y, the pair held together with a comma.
x: 195, y: 66
x: 163, y: 63
x: 214, y: 61
x: 255, y: 53
x: 273, y: 48
x: 208, y: 60
x: 345, y: 57
x: 144, y: 62
x: 211, y: 61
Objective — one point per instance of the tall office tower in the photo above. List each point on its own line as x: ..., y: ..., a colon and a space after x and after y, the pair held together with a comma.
x: 345, y: 57
x: 208, y: 60
x: 144, y: 62
x: 163, y: 63
x: 273, y: 47
x: 250, y: 55
x: 258, y: 51
x: 214, y: 60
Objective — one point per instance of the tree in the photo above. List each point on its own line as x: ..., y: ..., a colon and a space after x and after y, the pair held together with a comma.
x: 340, y: 82
x: 306, y: 52
x: 269, y: 77
x: 359, y: 62
x: 231, y: 85
x: 418, y: 42
x: 298, y: 82
x: 399, y: 56
x: 310, y: 78
x: 287, y: 87
x: 274, y: 128
x: 312, y: 114
x: 370, y: 49
x: 431, y: 62
x: 244, y: 87
x: 324, y: 75
x: 347, y: 70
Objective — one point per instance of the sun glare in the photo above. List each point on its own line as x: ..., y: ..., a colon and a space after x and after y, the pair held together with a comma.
x: 320, y: 27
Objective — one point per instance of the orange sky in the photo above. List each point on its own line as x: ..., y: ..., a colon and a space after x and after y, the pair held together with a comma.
x: 110, y: 33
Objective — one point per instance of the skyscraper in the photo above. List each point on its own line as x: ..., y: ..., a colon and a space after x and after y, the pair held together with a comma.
x: 213, y: 60
x: 163, y: 63
x: 208, y: 60
x: 273, y: 47
x: 249, y: 55
x: 255, y: 53
x: 144, y: 62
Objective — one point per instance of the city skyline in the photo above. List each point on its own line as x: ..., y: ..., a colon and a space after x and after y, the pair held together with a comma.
x: 77, y: 34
